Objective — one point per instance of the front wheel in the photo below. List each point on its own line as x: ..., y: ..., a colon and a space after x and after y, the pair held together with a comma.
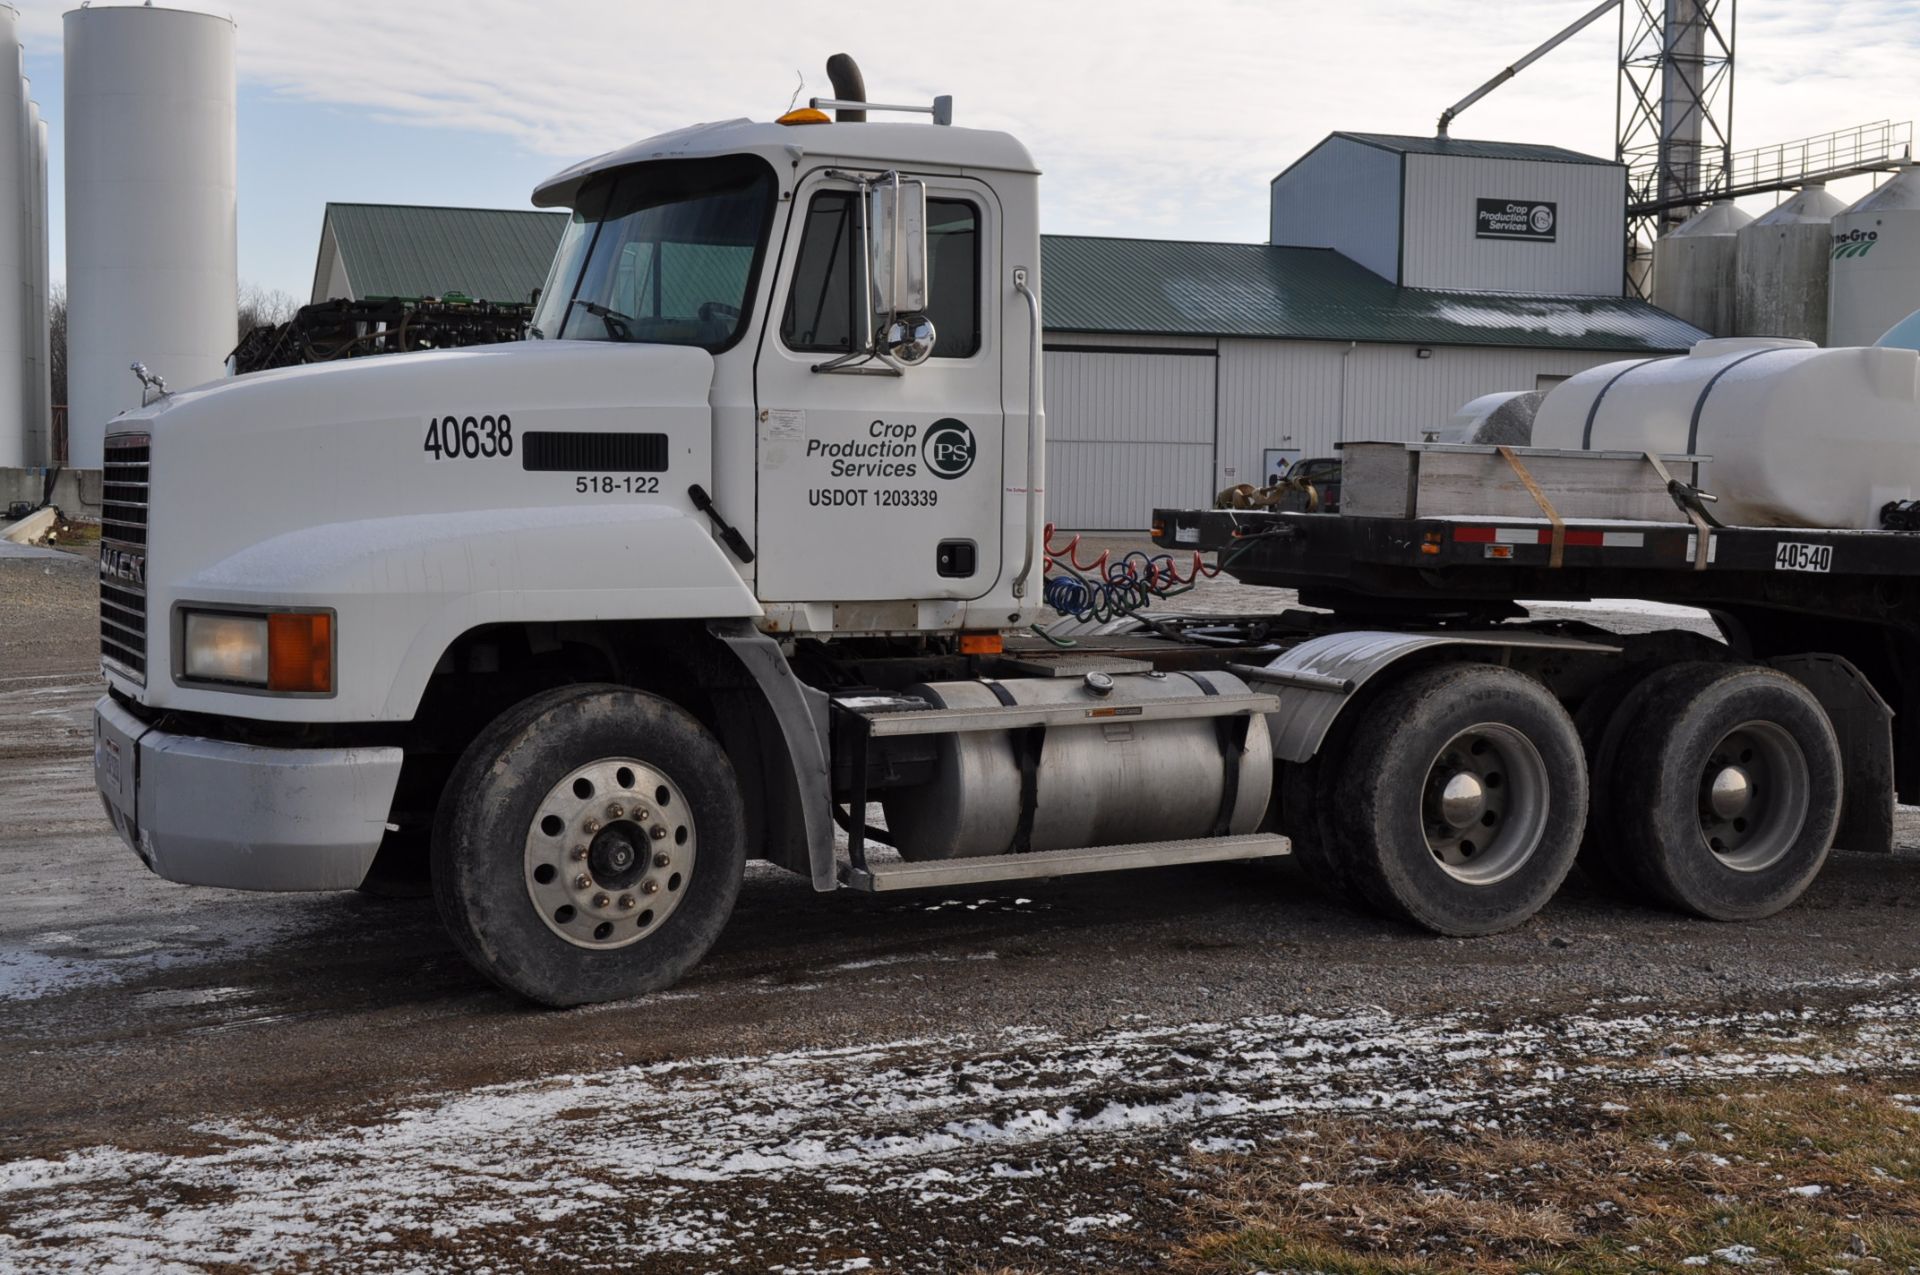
x: 1461, y: 797
x: 589, y: 846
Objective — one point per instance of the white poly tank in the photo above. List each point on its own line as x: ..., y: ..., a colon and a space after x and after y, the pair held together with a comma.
x: 151, y: 264
x: 1799, y: 436
x: 1694, y: 268
x: 1781, y: 289
x: 13, y: 240
x: 1875, y: 253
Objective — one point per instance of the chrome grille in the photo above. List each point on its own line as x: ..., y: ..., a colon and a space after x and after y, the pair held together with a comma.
x: 123, y: 555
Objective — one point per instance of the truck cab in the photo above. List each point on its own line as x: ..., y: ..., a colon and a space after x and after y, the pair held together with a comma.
x: 780, y: 394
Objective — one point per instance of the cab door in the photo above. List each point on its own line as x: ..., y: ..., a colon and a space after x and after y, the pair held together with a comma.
x: 878, y: 483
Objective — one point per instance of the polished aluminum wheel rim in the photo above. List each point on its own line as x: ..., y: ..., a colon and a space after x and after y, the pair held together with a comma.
x: 609, y: 853
x: 1485, y: 803
x: 1755, y: 791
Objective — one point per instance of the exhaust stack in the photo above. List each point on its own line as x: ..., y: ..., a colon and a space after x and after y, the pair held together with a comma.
x: 848, y: 86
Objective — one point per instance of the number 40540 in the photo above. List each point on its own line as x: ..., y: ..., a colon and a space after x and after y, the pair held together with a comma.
x: 468, y: 437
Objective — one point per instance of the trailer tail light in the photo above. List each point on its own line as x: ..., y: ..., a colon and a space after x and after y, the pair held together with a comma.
x: 300, y: 652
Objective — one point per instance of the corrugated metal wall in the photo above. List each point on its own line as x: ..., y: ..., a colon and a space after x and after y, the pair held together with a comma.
x: 1341, y: 195
x: 1127, y: 431
x: 1276, y: 394
x: 1442, y: 252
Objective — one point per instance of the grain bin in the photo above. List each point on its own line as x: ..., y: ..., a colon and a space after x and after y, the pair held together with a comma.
x: 151, y: 264
x: 1695, y: 265
x: 14, y: 271
x: 1782, y: 259
x: 1875, y: 262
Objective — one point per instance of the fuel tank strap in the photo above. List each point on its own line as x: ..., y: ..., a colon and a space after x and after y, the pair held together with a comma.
x: 1027, y: 745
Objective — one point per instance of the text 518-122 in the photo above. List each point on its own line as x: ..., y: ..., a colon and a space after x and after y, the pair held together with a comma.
x: 608, y: 485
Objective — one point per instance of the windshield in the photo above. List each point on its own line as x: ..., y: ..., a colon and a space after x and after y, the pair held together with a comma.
x: 665, y: 252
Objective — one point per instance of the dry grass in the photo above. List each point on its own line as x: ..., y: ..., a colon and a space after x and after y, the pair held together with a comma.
x: 1640, y: 1185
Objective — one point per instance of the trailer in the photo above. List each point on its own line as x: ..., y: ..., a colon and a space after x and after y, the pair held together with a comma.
x: 743, y: 554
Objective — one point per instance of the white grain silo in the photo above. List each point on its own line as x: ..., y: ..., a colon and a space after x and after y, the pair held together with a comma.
x: 13, y: 240
x: 40, y: 431
x: 1875, y: 262
x: 1782, y: 256
x: 1694, y: 268
x: 151, y: 266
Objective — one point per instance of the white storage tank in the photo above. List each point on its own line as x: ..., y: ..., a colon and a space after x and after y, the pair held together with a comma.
x: 151, y: 264
x: 14, y: 273
x: 1875, y: 253
x: 1782, y: 257
x: 1798, y: 436
x: 1694, y: 268
x: 40, y: 443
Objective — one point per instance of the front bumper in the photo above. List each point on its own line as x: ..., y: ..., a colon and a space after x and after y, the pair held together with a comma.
x: 208, y: 812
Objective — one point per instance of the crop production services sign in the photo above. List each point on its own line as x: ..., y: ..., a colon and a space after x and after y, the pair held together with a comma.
x: 1530, y: 219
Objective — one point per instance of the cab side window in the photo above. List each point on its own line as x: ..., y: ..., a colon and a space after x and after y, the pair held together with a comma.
x: 830, y: 279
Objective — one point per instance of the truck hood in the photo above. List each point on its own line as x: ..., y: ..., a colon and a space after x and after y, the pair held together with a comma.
x: 422, y: 476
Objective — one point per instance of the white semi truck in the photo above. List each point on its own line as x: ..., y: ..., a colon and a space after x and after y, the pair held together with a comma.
x: 752, y: 537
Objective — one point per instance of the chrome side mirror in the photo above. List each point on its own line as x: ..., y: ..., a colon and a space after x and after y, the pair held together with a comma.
x: 908, y: 339
x: 897, y: 267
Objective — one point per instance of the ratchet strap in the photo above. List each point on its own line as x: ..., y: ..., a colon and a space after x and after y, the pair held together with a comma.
x: 1559, y: 553
x: 1702, y: 532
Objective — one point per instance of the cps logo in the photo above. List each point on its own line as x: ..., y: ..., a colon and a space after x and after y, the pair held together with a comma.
x: 948, y: 448
x: 1541, y: 219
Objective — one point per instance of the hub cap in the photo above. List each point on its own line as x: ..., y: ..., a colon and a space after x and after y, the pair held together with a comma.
x: 609, y: 853
x: 1484, y: 808
x: 1754, y: 796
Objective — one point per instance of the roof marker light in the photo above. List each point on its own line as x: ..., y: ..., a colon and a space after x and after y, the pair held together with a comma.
x: 805, y: 115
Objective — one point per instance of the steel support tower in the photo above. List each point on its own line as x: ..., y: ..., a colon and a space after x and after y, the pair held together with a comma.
x: 1674, y: 114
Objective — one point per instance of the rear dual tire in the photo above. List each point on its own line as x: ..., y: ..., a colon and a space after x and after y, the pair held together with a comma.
x: 1458, y: 800
x: 1723, y: 788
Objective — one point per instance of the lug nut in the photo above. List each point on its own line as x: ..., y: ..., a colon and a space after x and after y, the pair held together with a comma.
x: 650, y: 887
x: 582, y: 881
x: 662, y: 859
x: 658, y: 832
x: 601, y: 900
x: 628, y: 903
x: 642, y: 813
x: 615, y: 810
x: 593, y: 826
x: 579, y: 852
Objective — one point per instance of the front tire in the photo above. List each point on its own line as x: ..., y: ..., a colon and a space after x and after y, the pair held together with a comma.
x: 589, y: 846
x: 1461, y: 798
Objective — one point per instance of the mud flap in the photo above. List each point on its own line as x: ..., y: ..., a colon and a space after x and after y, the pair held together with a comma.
x: 1863, y: 722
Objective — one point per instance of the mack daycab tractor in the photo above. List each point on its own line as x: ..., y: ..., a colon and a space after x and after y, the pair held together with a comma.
x: 749, y: 540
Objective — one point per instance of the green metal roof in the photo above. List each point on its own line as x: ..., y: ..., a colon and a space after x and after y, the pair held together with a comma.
x: 1153, y: 287
x: 401, y: 250
x: 1466, y: 148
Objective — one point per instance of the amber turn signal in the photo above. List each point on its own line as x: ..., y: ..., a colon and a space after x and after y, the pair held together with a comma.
x: 300, y: 652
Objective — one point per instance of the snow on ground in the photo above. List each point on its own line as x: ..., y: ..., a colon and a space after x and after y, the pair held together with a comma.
x: 706, y: 1158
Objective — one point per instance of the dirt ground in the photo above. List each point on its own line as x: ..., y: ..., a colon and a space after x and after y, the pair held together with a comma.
x: 1112, y: 1073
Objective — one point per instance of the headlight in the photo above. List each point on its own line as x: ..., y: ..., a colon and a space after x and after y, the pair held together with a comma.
x: 285, y: 651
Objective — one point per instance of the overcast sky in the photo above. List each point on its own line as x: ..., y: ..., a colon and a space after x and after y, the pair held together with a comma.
x: 1149, y: 118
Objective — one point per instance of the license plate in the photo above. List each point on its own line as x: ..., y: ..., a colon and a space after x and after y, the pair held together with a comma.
x: 1793, y: 555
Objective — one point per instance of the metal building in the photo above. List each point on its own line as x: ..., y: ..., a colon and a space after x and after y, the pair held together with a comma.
x: 151, y: 207
x: 1176, y: 369
x: 409, y: 250
x: 1447, y: 212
